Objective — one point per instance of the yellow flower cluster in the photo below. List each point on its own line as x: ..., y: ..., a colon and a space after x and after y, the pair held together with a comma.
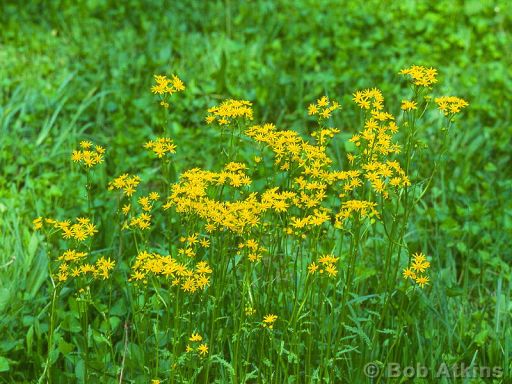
x: 72, y: 264
x: 168, y: 86
x: 323, y: 108
x: 161, y: 146
x: 385, y: 175
x: 269, y: 320
x: 80, y: 230
x: 87, y: 155
x: 422, y: 76
x: 125, y: 182
x: 141, y: 221
x: 408, y: 105
x: 191, y: 196
x: 369, y: 99
x: 229, y: 110
x: 153, y: 264
x: 362, y: 207
x: 289, y: 148
x: 417, y: 269
x: 191, y: 243
x: 254, y: 250
x: 202, y: 348
x: 326, y: 265
x: 450, y: 105
x: 375, y: 145
x: 311, y: 165
x: 37, y: 223
x: 317, y: 218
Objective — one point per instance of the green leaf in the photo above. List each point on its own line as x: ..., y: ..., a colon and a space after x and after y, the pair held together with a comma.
x: 65, y: 347
x: 4, y: 364
x: 30, y: 339
x: 80, y: 370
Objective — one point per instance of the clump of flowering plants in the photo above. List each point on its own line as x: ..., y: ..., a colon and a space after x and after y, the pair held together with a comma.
x: 257, y: 269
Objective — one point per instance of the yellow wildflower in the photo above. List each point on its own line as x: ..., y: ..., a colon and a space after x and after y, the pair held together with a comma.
x: 195, y: 337
x: 269, y: 320
x: 229, y: 110
x: 409, y: 105
x: 450, y: 105
x: 203, y: 349
x: 420, y: 75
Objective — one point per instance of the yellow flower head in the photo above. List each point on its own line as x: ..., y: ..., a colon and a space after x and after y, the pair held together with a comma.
x: 165, y: 86
x: 422, y: 281
x: 419, y: 265
x: 87, y: 156
x: 369, y: 98
x: 203, y: 349
x: 450, y: 105
x: 421, y: 76
x: 323, y: 108
x: 126, y: 183
x: 37, y: 223
x: 269, y: 320
x: 409, y: 105
x: 195, y: 337
x: 161, y: 146
x: 230, y: 110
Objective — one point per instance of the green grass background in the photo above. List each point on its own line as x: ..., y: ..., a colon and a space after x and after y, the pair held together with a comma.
x: 73, y: 70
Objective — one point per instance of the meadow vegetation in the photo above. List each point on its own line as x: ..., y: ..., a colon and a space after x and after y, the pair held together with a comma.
x: 271, y: 192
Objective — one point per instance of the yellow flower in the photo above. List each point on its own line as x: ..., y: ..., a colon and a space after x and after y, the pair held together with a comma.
x: 37, y: 223
x: 229, y: 110
x: 420, y: 75
x: 323, y: 101
x: 323, y: 108
x: 195, y: 337
x: 203, y: 349
x: 137, y: 275
x: 419, y: 265
x: 161, y: 146
x: 205, y: 243
x: 87, y: 156
x: 450, y: 105
x: 269, y: 320
x: 312, y: 268
x: 409, y: 273
x: 76, y: 156
x: 331, y: 270
x: 408, y: 105
x: 126, y: 209
x: 154, y: 196
x: 125, y: 182
x: 177, y: 84
x: 165, y: 86
x: 422, y: 281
